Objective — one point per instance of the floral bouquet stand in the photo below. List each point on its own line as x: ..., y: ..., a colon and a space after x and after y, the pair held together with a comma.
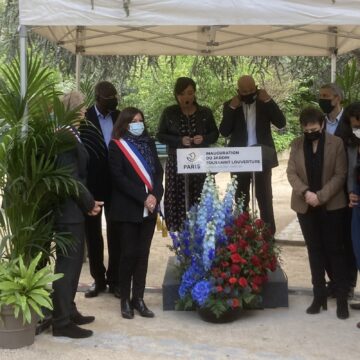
x: 226, y: 260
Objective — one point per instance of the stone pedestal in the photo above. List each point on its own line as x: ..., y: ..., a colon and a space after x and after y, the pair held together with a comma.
x: 274, y: 293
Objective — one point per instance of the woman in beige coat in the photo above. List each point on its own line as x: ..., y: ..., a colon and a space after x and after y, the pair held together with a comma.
x: 317, y: 171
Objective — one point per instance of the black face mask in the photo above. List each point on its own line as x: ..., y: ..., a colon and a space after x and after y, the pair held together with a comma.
x: 249, y: 98
x: 326, y: 106
x: 111, y: 104
x: 312, y: 136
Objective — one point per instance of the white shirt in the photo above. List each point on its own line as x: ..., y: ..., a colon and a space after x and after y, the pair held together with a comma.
x: 331, y: 125
x: 250, y: 119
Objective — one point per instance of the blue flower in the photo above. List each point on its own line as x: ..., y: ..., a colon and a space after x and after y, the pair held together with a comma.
x: 201, y: 292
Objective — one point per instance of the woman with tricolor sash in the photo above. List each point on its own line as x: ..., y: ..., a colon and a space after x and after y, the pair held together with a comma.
x: 137, y: 189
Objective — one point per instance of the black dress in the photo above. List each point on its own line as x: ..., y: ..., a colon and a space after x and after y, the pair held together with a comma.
x: 174, y: 125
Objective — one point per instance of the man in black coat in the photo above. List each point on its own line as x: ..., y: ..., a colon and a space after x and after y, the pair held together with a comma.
x: 247, y: 120
x: 96, y: 135
x: 70, y: 218
x: 330, y: 99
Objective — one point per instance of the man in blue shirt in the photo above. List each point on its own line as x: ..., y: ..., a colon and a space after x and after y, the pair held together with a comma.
x: 96, y: 135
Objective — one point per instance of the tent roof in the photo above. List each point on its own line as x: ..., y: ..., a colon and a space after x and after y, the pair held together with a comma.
x: 174, y: 27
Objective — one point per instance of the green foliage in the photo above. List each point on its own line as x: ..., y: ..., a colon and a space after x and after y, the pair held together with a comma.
x: 349, y: 81
x: 33, y: 131
x: 25, y: 288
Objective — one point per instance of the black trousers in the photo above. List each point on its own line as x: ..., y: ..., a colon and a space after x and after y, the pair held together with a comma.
x: 350, y: 261
x: 70, y: 265
x: 95, y: 246
x: 263, y: 193
x: 323, y: 234
x: 135, y: 241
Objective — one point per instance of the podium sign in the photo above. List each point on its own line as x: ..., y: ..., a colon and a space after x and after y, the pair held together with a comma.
x: 215, y: 160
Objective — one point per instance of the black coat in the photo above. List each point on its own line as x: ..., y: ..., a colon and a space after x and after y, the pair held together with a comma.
x: 169, y: 127
x: 98, y: 179
x: 234, y: 125
x: 72, y: 210
x: 128, y: 190
x: 343, y: 130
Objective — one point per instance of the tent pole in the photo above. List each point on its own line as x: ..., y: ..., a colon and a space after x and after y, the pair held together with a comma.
x: 334, y: 51
x: 23, y: 65
x: 333, y: 66
x: 23, y: 75
x: 79, y: 49
x: 77, y: 70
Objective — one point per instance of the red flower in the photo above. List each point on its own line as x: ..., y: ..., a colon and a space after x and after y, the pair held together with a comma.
x: 248, y: 231
x: 259, y: 223
x: 232, y: 248
x: 273, y: 264
x: 255, y: 261
x: 224, y: 264
x: 236, y: 258
x: 223, y: 275
x: 258, y: 280
x: 255, y: 287
x: 235, y: 269
x: 241, y: 220
x: 265, y: 247
x: 219, y: 288
x: 229, y: 231
x: 243, y: 282
x: 235, y: 303
x: 243, y: 244
x: 233, y: 280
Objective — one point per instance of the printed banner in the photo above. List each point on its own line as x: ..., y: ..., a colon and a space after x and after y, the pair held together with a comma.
x: 215, y: 160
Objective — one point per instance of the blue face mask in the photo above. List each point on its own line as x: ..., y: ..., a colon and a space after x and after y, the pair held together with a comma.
x: 136, y: 128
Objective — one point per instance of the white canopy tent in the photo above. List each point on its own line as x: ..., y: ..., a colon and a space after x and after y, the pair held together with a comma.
x: 202, y: 27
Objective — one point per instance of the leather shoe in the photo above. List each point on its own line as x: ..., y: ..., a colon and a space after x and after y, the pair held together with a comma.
x: 43, y: 324
x: 95, y: 289
x: 79, y: 319
x: 355, y: 306
x: 139, y: 305
x: 73, y: 331
x: 115, y: 290
x: 126, y: 310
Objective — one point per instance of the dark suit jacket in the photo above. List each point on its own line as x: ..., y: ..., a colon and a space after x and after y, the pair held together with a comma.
x: 343, y: 129
x: 98, y: 179
x: 234, y: 125
x: 333, y: 175
x: 128, y: 190
x: 72, y: 209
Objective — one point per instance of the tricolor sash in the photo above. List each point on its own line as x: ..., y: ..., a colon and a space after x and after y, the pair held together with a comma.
x: 136, y: 160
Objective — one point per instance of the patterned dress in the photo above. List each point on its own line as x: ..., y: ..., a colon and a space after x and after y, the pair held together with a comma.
x: 199, y: 123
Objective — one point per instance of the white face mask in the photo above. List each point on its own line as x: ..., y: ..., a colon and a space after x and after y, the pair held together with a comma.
x: 356, y: 132
x: 136, y: 128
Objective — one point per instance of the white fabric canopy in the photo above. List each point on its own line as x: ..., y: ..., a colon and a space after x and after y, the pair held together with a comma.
x: 197, y: 27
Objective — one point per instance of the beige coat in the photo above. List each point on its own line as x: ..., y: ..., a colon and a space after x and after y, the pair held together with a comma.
x: 333, y: 176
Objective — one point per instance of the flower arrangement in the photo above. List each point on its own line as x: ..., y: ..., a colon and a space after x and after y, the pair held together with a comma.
x: 224, y: 254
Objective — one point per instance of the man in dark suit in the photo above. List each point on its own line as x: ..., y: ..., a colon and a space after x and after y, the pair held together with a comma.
x: 96, y: 135
x: 247, y: 120
x: 330, y: 99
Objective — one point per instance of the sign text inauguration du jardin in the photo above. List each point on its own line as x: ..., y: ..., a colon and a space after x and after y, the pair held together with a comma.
x: 229, y: 159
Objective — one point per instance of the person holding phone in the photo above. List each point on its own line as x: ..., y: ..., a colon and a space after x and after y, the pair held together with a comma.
x: 247, y: 120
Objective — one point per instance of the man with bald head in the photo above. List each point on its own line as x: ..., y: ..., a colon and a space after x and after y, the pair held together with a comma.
x: 247, y: 120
